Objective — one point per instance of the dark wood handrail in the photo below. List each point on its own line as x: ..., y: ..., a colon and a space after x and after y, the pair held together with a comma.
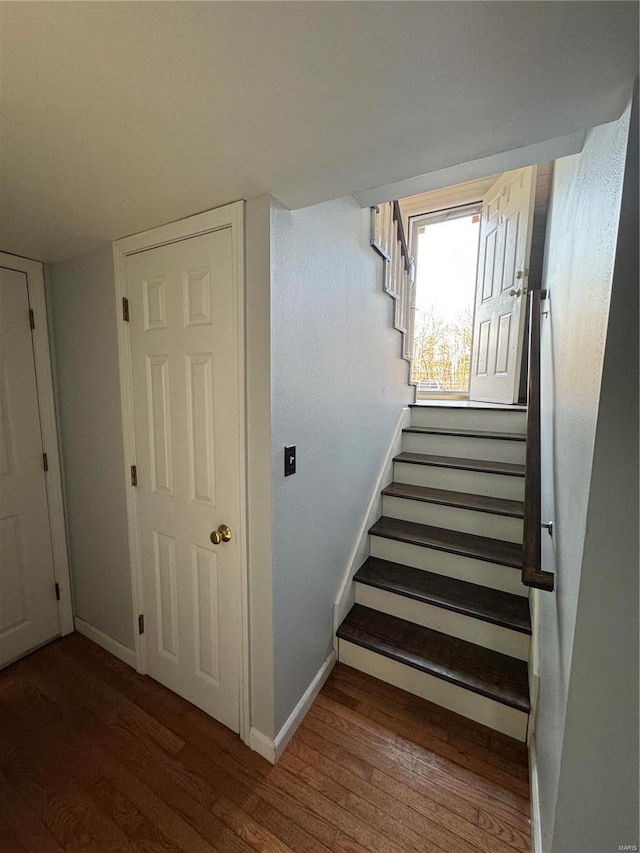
x: 532, y: 573
x: 397, y: 216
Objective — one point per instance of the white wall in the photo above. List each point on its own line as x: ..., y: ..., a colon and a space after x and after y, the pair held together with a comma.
x: 82, y: 304
x: 258, y: 367
x: 598, y: 796
x: 337, y: 386
x: 580, y: 256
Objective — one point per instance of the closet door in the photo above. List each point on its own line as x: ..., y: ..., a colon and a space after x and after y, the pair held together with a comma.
x: 28, y: 606
x: 186, y: 393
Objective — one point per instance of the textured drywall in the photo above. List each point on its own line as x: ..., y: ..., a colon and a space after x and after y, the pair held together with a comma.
x: 82, y: 302
x: 598, y: 792
x: 337, y: 386
x: 323, y: 372
x: 258, y: 370
x: 580, y: 254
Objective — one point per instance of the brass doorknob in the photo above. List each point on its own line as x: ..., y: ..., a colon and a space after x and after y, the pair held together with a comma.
x: 222, y: 534
x: 514, y: 292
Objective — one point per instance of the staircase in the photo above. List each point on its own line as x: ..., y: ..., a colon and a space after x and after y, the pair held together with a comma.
x: 440, y: 608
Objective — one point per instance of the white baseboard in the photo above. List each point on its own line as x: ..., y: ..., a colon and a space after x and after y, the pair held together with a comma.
x: 536, y: 828
x: 110, y: 645
x: 273, y: 749
x: 262, y: 744
x: 346, y: 595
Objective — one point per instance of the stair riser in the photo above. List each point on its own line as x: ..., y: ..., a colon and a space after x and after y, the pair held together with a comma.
x: 457, y: 699
x: 495, y: 637
x: 461, y: 418
x: 454, y: 518
x: 467, y: 569
x: 456, y: 480
x: 491, y: 449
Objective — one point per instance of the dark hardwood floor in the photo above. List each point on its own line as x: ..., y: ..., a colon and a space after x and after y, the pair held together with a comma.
x: 94, y: 757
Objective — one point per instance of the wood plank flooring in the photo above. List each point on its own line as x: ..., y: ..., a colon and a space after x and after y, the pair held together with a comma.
x: 94, y: 757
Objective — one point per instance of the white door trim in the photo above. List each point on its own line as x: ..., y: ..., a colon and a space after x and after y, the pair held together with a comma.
x: 231, y: 215
x: 49, y: 431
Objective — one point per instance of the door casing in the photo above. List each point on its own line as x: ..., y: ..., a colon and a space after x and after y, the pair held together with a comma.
x: 229, y: 216
x: 34, y: 272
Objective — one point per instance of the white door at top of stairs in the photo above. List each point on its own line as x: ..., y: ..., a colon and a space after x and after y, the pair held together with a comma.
x: 501, y: 287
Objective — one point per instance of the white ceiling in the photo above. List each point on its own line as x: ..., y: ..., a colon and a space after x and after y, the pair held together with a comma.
x: 116, y: 117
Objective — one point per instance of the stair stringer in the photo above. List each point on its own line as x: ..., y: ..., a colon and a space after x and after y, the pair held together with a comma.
x: 346, y: 594
x: 398, y: 275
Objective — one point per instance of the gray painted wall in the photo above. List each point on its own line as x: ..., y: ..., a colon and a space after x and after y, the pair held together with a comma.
x: 82, y: 303
x: 323, y: 372
x: 337, y: 386
x: 580, y: 256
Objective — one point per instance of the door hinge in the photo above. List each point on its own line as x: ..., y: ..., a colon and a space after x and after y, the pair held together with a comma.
x: 57, y: 592
x: 125, y: 309
x: 45, y: 462
x: 134, y: 475
x: 32, y: 319
x: 141, y: 624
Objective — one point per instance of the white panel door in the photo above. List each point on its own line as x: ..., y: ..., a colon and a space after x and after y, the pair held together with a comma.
x: 501, y: 287
x: 28, y: 607
x: 182, y: 309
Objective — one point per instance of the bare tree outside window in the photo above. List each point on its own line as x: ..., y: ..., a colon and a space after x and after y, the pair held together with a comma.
x: 442, y: 349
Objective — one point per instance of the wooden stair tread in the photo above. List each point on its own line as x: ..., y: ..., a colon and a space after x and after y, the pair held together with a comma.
x: 481, y: 602
x: 475, y: 406
x: 492, y: 674
x: 463, y: 500
x: 484, y: 466
x: 453, y: 541
x: 466, y: 433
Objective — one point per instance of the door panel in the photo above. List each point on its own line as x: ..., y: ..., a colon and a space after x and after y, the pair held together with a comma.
x: 490, y: 262
x: 505, y: 244
x: 502, y: 345
x: 483, y: 348
x: 28, y: 608
x: 186, y: 402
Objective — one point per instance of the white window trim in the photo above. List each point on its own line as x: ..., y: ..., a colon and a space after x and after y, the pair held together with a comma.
x: 431, y: 218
